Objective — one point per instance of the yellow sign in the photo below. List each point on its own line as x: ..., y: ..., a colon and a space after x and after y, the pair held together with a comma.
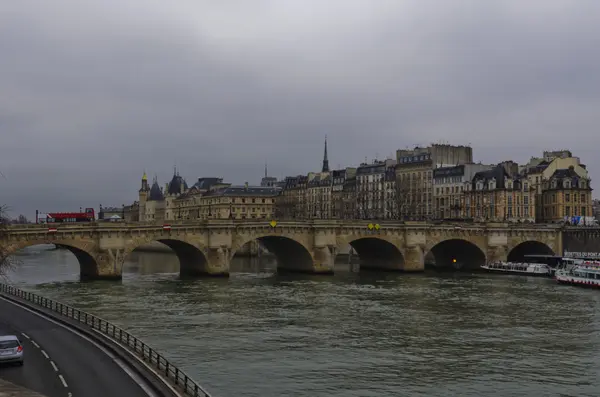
x: 370, y: 226
x: 273, y: 223
x: 377, y: 227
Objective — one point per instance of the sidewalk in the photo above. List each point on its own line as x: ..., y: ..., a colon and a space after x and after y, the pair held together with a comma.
x: 8, y: 389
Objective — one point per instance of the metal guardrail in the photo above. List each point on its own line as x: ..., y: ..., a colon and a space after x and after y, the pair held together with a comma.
x: 170, y: 372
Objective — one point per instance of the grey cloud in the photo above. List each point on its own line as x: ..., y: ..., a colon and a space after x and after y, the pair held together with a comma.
x: 92, y: 93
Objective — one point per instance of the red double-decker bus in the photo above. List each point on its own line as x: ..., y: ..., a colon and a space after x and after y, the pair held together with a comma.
x: 66, y: 217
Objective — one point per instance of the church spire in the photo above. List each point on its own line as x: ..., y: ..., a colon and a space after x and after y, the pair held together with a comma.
x: 266, y: 170
x: 325, y: 159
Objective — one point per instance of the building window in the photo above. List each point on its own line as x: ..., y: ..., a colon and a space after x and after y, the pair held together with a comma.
x: 567, y: 197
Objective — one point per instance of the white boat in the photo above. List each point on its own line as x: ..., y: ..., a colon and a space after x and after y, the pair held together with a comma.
x: 529, y: 269
x: 586, y: 275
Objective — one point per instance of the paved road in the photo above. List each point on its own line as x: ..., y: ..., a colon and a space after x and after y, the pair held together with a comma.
x: 59, y: 363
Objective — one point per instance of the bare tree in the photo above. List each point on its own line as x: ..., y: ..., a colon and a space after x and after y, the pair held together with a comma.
x: 7, y: 262
x: 405, y: 197
x: 22, y: 219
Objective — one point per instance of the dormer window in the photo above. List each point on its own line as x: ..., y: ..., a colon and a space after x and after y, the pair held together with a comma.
x: 567, y: 184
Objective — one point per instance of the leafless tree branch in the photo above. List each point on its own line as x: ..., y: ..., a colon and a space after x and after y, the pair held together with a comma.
x: 7, y: 261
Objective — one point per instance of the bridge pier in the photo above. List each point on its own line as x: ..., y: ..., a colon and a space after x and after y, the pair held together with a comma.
x: 107, y: 265
x: 497, y: 253
x: 414, y: 259
x: 216, y: 264
x: 324, y: 260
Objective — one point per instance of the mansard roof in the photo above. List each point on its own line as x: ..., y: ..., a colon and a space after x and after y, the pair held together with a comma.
x: 206, y: 183
x: 498, y: 173
x: 252, y: 191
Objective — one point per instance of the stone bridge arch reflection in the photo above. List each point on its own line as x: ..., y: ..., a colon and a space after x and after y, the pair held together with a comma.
x: 456, y: 254
x: 289, y: 254
x: 376, y: 254
x: 192, y: 260
x: 71, y: 260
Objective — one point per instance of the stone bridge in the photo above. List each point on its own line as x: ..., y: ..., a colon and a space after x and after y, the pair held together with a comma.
x: 206, y: 248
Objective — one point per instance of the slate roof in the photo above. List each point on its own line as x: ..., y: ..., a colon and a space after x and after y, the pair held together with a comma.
x: 206, y: 183
x: 252, y: 191
x: 318, y: 181
x: 565, y: 174
x: 156, y: 193
x: 175, y: 185
x: 498, y: 173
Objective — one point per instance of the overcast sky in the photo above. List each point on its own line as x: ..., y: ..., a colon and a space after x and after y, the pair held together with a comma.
x: 94, y: 92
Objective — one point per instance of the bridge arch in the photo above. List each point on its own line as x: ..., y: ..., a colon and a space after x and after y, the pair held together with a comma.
x: 84, y: 251
x: 192, y: 255
x: 375, y: 253
x: 529, y: 247
x: 291, y: 254
x: 456, y: 253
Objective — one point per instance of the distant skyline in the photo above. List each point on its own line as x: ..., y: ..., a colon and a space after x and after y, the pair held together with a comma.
x: 93, y: 93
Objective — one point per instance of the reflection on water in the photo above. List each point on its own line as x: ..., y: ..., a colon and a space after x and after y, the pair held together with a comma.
x: 353, y: 334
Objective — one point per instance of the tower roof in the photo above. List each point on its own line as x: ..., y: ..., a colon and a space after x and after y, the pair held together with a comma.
x: 325, y: 167
x: 144, y: 177
x: 176, y: 184
x: 155, y: 193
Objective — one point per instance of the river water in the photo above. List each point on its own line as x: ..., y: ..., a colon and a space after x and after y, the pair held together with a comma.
x: 352, y: 334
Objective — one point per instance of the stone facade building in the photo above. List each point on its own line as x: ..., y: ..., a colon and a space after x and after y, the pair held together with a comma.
x: 291, y: 203
x: 414, y: 176
x: 497, y: 196
x: 373, y: 181
x: 132, y: 212
x: 208, y: 198
x: 340, y: 178
x: 350, y: 210
x: 448, y: 188
x: 151, y: 201
x: 318, y: 195
x: 567, y: 193
x: 548, y: 175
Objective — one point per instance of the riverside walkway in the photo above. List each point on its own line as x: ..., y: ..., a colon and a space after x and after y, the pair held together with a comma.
x: 8, y: 389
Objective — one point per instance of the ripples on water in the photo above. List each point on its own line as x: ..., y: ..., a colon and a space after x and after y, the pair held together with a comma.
x: 364, y: 335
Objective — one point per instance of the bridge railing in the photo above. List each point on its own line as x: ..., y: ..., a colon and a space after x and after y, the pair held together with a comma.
x: 316, y: 222
x: 175, y: 377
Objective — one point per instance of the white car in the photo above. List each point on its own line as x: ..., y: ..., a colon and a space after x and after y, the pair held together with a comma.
x: 11, y: 350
